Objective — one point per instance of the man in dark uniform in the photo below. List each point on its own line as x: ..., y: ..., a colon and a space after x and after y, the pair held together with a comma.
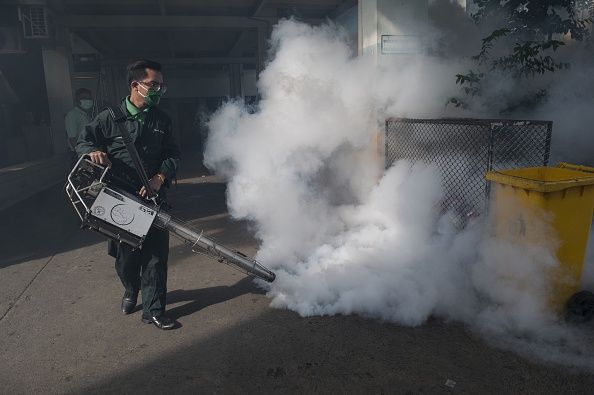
x: 143, y: 269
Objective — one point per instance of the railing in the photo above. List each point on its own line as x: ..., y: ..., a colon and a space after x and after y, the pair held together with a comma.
x: 465, y: 149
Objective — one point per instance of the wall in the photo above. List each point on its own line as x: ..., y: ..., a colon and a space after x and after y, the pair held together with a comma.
x: 88, y: 79
x: 348, y: 20
x: 185, y: 83
x: 189, y: 83
x: 390, y: 28
x: 56, y: 64
x: 24, y: 124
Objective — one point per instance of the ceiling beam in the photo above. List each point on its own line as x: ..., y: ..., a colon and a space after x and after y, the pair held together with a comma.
x: 188, y: 61
x: 341, y: 8
x: 258, y: 7
x: 92, y: 22
x: 100, y: 46
x: 162, y: 7
x: 241, y: 40
x: 168, y: 33
x: 56, y: 6
x: 239, y: 44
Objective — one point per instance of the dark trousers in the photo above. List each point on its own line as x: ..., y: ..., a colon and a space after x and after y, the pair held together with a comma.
x: 145, y: 269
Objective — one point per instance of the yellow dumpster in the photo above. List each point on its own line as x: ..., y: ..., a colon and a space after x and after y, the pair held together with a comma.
x: 550, y: 207
x: 570, y: 166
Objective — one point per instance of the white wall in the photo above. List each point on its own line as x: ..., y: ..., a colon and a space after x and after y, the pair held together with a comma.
x: 367, y: 26
x: 471, y: 7
x: 390, y: 28
x: 404, y: 17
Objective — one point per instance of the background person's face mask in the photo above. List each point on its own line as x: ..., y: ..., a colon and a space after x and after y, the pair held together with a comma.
x: 86, y: 104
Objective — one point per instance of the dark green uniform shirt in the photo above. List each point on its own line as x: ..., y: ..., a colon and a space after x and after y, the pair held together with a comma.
x: 152, y: 134
x: 75, y: 121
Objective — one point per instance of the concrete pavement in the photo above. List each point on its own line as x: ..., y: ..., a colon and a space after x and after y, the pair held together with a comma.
x: 62, y: 330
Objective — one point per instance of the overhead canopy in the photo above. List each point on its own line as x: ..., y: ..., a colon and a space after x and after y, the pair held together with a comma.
x: 186, y: 31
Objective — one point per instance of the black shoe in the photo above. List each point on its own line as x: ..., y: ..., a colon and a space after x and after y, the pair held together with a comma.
x: 161, y: 322
x: 129, y: 301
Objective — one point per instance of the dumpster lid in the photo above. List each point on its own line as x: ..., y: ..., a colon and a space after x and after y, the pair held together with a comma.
x: 585, y: 169
x: 541, y: 179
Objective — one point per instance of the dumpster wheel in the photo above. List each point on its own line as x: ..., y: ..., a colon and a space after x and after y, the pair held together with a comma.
x: 580, y: 307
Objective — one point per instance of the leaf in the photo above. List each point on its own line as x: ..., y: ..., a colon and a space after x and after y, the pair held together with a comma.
x: 457, y: 102
x: 552, y: 44
x: 487, y: 44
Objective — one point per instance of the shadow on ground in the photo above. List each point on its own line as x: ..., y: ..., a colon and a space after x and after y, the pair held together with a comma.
x: 41, y: 226
x: 280, y: 352
x: 46, y: 223
x: 198, y: 299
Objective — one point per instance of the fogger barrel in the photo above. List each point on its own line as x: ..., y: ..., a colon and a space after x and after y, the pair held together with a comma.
x: 211, y: 248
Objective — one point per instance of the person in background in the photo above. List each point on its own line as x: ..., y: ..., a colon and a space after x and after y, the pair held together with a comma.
x: 79, y: 116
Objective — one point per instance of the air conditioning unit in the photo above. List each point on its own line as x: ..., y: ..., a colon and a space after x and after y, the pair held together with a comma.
x: 35, y: 21
x: 10, y: 41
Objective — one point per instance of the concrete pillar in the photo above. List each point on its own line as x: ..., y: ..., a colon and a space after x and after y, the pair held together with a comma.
x: 56, y: 64
x: 391, y: 30
x: 471, y: 7
x: 463, y: 3
x: 261, y: 48
x: 235, y: 79
x: 367, y: 25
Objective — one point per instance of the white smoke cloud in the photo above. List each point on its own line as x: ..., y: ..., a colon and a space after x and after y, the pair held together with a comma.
x: 302, y: 168
x: 571, y: 107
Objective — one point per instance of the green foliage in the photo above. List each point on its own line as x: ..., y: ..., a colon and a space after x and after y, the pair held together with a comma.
x: 487, y: 44
x: 529, y: 38
x: 527, y: 102
x: 527, y: 60
x: 534, y: 19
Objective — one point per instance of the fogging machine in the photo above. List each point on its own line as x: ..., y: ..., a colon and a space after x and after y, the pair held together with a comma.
x: 127, y: 218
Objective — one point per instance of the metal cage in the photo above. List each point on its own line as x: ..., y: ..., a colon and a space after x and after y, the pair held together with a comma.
x: 465, y: 149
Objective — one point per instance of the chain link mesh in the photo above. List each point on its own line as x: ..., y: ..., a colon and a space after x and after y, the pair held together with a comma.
x: 465, y: 149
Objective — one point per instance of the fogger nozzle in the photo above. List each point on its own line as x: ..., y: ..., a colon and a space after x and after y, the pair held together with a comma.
x: 212, y: 248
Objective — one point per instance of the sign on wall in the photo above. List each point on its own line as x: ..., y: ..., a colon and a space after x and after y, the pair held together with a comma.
x: 401, y: 44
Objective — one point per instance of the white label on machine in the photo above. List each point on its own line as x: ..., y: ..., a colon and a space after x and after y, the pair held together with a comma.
x: 123, y: 212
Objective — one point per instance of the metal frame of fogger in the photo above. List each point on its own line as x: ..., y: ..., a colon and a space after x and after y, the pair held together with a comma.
x: 127, y: 218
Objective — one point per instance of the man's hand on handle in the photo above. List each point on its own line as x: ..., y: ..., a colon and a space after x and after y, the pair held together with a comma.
x: 100, y: 158
x: 156, y: 183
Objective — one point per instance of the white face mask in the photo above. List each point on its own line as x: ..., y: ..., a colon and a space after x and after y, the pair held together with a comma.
x: 86, y: 104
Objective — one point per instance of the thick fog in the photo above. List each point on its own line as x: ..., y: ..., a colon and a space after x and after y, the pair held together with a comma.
x: 345, y: 237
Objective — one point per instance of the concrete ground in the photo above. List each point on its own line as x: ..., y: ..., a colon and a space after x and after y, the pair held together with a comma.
x: 62, y: 330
